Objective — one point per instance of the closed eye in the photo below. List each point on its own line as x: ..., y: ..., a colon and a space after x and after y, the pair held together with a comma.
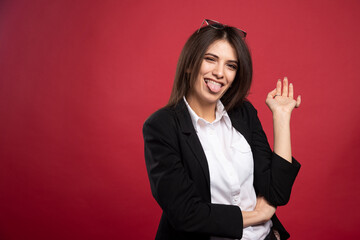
x: 210, y: 59
x: 233, y: 66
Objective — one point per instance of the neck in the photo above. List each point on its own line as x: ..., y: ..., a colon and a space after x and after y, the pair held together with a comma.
x: 203, y: 110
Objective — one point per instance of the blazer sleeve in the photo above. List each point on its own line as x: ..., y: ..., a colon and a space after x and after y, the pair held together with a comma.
x: 273, y: 175
x: 173, y: 188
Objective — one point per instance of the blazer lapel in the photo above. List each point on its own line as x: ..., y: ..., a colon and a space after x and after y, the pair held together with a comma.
x: 238, y: 121
x: 191, y: 137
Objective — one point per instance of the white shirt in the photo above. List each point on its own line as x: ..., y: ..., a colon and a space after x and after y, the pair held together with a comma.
x: 231, y: 166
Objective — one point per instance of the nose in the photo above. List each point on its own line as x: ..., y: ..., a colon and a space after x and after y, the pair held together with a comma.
x: 218, y: 71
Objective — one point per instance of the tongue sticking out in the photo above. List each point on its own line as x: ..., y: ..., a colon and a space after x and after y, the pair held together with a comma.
x: 213, y: 86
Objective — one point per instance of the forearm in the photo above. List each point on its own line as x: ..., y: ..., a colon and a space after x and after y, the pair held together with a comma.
x: 282, y: 140
x: 251, y: 218
x: 262, y: 213
x: 281, y: 103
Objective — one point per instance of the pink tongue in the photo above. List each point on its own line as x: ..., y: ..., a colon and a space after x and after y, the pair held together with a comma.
x: 213, y: 87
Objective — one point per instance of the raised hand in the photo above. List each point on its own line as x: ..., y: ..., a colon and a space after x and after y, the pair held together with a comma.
x: 281, y: 99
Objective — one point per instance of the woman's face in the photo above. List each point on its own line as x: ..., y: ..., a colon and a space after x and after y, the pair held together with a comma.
x: 216, y: 74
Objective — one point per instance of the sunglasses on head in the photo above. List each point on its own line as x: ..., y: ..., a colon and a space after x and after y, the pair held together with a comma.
x: 217, y: 25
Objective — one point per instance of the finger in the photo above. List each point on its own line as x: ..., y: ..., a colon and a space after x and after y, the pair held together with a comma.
x: 285, y: 87
x: 291, y: 91
x: 272, y: 93
x: 278, y: 88
x: 298, y: 101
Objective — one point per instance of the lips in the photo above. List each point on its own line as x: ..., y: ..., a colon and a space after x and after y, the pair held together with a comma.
x: 213, y: 86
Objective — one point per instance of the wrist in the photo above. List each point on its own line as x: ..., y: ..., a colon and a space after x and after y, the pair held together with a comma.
x: 282, y: 117
x: 261, y: 217
x: 281, y: 113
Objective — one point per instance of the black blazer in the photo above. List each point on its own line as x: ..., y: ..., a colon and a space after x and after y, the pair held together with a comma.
x: 180, y: 182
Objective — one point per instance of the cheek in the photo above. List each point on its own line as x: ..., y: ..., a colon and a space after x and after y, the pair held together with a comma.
x: 199, y: 82
x: 205, y: 68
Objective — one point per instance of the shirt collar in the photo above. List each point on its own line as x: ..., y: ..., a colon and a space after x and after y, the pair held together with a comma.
x: 220, y: 113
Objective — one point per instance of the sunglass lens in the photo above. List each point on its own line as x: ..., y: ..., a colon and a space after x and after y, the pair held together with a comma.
x: 215, y: 24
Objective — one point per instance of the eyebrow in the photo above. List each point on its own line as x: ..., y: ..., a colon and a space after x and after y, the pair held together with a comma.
x: 215, y: 56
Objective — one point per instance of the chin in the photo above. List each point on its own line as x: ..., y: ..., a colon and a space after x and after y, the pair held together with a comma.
x: 212, y: 98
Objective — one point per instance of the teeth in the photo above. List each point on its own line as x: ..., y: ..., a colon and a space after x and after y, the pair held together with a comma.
x: 207, y: 80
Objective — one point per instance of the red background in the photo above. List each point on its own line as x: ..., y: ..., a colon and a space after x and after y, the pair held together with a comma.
x: 79, y: 78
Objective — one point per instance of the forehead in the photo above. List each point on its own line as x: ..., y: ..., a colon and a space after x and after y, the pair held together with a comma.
x: 222, y: 48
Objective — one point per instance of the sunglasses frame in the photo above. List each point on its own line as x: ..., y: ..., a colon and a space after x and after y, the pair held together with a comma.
x: 217, y: 25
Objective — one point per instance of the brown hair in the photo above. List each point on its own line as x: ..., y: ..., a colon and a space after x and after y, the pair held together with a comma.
x: 192, y: 55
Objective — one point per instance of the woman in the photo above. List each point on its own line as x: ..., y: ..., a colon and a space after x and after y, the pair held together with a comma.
x: 210, y: 166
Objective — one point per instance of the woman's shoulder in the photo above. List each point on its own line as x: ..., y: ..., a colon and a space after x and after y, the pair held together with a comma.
x: 162, y: 124
x: 246, y: 109
x: 248, y: 105
x: 162, y: 116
